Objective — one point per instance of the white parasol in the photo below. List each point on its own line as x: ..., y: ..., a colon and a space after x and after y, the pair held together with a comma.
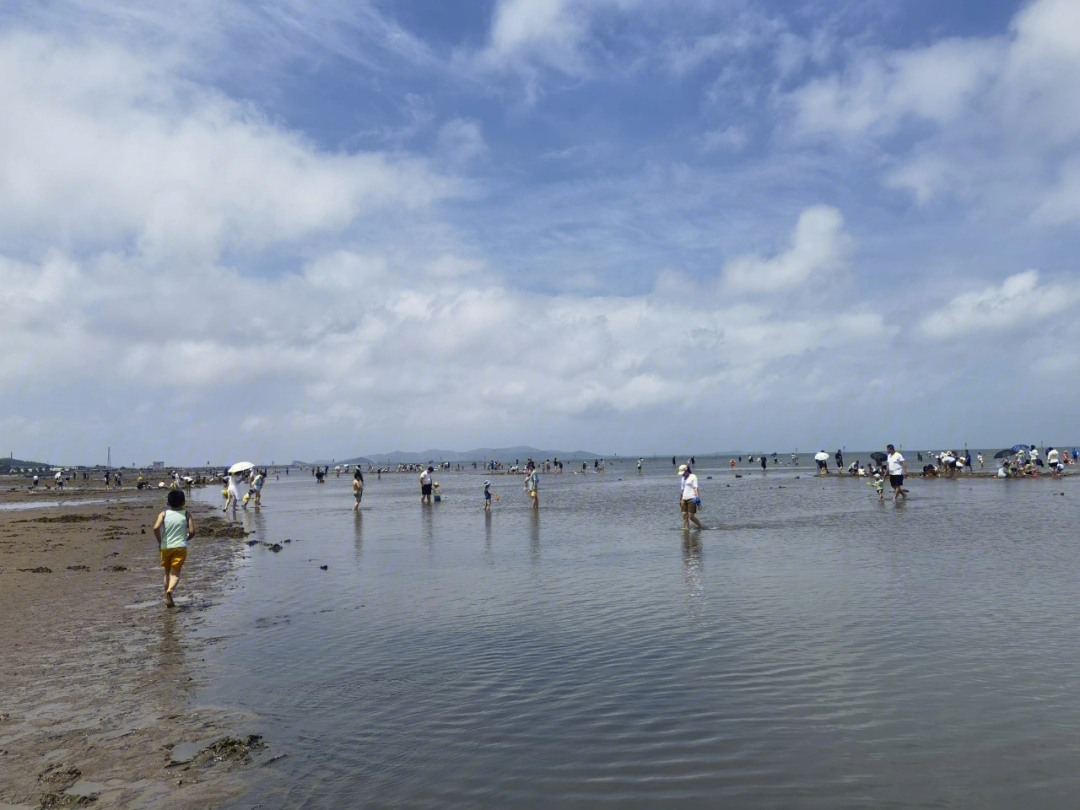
x: 822, y: 456
x: 241, y: 466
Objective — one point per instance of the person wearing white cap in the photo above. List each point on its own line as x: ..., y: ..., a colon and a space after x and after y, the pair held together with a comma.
x: 487, y: 496
x: 689, y: 497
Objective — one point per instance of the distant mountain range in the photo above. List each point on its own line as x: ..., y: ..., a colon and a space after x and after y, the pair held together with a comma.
x: 504, y: 454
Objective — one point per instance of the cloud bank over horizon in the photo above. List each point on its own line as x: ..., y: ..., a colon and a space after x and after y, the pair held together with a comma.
x: 285, y: 230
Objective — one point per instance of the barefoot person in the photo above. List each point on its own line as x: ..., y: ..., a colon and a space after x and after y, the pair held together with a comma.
x: 897, y: 471
x: 357, y: 488
x: 173, y: 530
x: 689, y: 497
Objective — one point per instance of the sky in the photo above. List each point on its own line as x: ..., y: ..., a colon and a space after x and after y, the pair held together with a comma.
x: 288, y: 230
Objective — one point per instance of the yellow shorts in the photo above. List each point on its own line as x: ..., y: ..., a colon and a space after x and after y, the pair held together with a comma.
x: 173, y: 558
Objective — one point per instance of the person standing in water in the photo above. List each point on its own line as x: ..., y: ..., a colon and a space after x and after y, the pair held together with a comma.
x: 232, y: 492
x: 763, y: 463
x: 357, y: 488
x: 897, y: 471
x: 532, y: 484
x: 689, y: 497
x: 173, y: 530
x: 639, y: 463
x: 425, y: 485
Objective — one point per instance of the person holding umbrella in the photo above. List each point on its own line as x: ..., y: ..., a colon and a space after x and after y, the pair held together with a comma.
x: 822, y: 459
x: 232, y: 490
x: 897, y: 470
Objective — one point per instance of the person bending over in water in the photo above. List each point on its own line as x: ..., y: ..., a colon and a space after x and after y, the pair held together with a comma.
x: 173, y: 530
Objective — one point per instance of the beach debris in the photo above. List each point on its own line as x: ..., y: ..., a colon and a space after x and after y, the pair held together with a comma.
x: 233, y: 749
x: 59, y: 777
x: 288, y: 541
x: 323, y: 567
x: 78, y: 568
x: 252, y: 543
x: 41, y: 569
x: 115, y: 568
x: 143, y: 530
x: 275, y: 547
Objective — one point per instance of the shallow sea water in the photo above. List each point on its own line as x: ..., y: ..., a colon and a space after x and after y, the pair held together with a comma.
x: 811, y: 648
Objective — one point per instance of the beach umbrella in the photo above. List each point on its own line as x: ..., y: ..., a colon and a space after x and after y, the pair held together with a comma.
x: 879, y: 457
x: 1005, y: 453
x: 822, y: 456
x: 1016, y: 448
x: 241, y: 466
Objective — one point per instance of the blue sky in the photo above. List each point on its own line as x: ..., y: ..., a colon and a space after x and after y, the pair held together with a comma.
x: 286, y: 230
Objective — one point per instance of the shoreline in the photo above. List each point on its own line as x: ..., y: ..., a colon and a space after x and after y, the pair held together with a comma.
x: 98, y: 675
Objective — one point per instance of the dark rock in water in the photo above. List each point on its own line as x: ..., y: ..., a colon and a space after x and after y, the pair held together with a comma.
x: 41, y: 569
x: 708, y: 478
x: 276, y: 547
x: 252, y: 543
x: 323, y: 567
x: 738, y: 476
x: 288, y: 541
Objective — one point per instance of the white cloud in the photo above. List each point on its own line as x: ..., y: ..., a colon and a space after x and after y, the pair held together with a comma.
x: 819, y: 246
x: 995, y: 118
x: 731, y: 138
x: 1019, y: 301
x: 547, y: 31
x: 99, y: 144
x: 878, y: 92
x: 461, y: 141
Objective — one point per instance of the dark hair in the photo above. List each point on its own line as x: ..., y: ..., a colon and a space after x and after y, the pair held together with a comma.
x: 175, y: 498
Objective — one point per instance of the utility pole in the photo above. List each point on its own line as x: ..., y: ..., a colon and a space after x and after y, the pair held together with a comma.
x: 108, y: 460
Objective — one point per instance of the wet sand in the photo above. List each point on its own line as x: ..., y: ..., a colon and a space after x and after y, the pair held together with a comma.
x: 96, y: 672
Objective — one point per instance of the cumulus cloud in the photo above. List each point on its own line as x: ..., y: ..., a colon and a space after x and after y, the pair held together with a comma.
x: 819, y: 246
x: 993, y: 116
x: 99, y: 144
x: 1017, y: 302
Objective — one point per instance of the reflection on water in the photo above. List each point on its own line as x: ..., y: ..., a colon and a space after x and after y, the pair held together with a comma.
x: 839, y: 653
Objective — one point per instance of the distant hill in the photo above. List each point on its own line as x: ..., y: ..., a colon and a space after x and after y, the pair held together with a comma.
x: 521, y: 452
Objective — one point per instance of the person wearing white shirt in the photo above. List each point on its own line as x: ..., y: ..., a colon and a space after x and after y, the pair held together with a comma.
x: 897, y: 471
x: 425, y: 485
x: 689, y: 497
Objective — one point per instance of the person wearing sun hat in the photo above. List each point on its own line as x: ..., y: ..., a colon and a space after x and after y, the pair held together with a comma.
x: 689, y: 497
x: 487, y: 496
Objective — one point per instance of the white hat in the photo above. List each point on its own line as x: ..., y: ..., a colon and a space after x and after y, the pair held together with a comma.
x: 683, y: 468
x: 487, y: 483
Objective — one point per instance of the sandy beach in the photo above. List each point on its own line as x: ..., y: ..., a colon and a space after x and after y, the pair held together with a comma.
x: 97, y: 673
